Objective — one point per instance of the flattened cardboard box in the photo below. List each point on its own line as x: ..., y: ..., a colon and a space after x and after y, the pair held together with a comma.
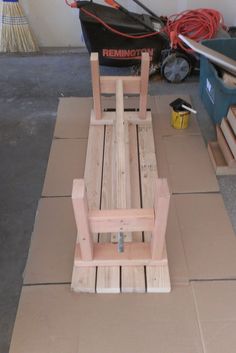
x: 183, y: 159
x: 201, y: 243
x: 52, y: 319
x: 66, y: 162
x: 161, y: 113
x: 208, y: 237
x: 73, y: 115
x: 215, y: 304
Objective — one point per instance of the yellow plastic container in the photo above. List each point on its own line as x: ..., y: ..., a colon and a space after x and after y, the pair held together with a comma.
x: 180, y: 119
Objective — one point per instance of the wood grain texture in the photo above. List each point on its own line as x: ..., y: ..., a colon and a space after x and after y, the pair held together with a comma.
x: 96, y: 85
x: 231, y: 116
x: 83, y: 280
x: 218, y: 160
x: 80, y: 207
x: 230, y: 160
x: 106, y: 254
x: 133, y: 278
x: 148, y: 168
x: 229, y: 136
x: 161, y: 211
x: 108, y: 278
x: 157, y: 279
x: 131, y: 84
x: 145, y: 63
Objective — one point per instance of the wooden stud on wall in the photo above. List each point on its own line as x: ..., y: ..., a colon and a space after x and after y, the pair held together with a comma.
x: 96, y: 85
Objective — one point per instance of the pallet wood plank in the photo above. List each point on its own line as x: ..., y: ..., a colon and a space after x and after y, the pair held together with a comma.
x: 144, y: 85
x: 121, y: 220
x: 225, y: 147
x: 131, y: 84
x: 133, y: 278
x: 81, y: 212
x: 148, y: 168
x: 122, y: 167
x: 157, y: 278
x: 108, y: 278
x: 161, y: 209
x: 106, y: 254
x: 229, y: 135
x: 231, y: 116
x: 96, y: 85
x: 218, y: 161
x: 109, y: 118
x: 83, y: 280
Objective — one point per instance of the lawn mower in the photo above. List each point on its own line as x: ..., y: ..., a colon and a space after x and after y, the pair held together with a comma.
x: 120, y: 36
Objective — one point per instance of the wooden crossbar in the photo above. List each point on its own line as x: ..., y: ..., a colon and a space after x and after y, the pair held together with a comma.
x: 131, y: 85
x: 135, y: 254
x: 121, y: 220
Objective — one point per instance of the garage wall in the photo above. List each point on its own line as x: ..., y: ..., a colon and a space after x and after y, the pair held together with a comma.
x: 56, y: 25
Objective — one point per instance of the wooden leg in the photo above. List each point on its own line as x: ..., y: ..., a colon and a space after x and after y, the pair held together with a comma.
x: 144, y: 85
x: 96, y: 85
x: 161, y: 209
x: 80, y: 206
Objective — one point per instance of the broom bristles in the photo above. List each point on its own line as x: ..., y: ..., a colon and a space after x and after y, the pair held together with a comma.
x: 15, y: 34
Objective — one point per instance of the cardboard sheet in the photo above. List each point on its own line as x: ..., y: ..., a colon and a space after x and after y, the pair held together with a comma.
x: 208, y: 237
x: 161, y: 114
x: 51, y: 319
x: 184, y: 161
x: 215, y: 303
x: 73, y: 117
x: 66, y: 162
x: 53, y: 242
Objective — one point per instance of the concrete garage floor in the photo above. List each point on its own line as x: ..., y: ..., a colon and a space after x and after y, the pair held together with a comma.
x: 29, y: 92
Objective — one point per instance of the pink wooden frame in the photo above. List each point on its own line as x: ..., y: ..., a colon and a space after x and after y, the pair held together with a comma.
x: 131, y: 85
x: 88, y: 221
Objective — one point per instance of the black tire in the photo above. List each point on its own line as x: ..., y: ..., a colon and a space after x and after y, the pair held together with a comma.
x: 176, y: 68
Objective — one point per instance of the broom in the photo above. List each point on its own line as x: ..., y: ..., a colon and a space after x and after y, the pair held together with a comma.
x: 15, y: 34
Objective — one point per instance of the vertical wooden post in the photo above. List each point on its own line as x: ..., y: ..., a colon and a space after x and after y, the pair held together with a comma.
x: 96, y: 85
x: 161, y: 210
x: 80, y: 206
x: 144, y: 85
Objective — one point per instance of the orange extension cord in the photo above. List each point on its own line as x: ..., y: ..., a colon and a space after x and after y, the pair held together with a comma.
x: 196, y: 24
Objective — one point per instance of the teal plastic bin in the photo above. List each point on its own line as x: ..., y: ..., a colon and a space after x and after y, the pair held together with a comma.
x: 216, y: 96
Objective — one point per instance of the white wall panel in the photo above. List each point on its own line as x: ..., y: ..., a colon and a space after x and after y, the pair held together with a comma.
x: 55, y: 24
